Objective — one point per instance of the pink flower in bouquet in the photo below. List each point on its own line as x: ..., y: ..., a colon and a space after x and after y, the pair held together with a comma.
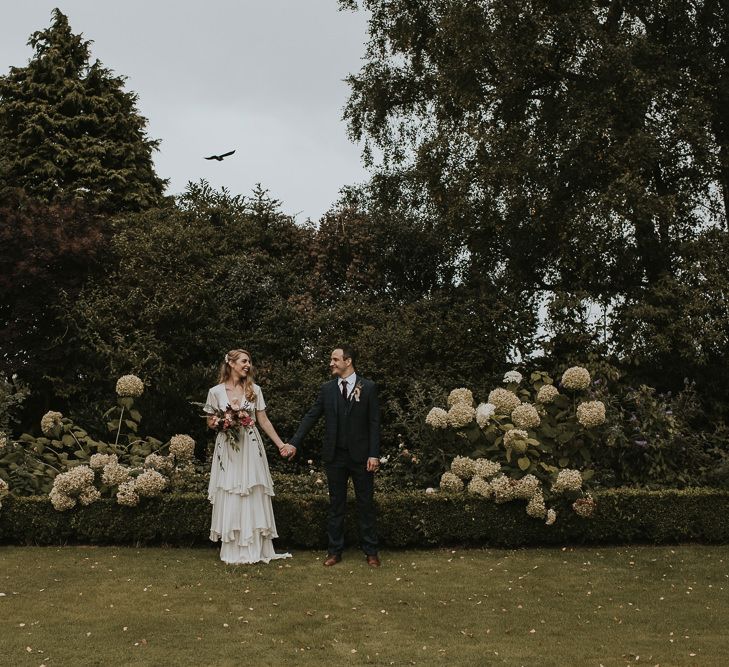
x: 229, y: 421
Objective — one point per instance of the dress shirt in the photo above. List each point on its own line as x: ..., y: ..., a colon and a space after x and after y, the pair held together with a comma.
x: 351, y: 380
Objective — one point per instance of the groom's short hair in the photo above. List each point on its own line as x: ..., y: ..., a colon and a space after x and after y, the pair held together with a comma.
x: 348, y: 352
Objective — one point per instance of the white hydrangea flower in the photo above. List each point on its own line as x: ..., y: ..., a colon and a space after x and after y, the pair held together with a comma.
x: 551, y: 517
x: 481, y: 487
x: 163, y: 464
x: 584, y: 507
x: 4, y: 488
x: 516, y: 439
x: 182, y: 447
x: 527, y: 486
x: 485, y: 468
x: 451, y: 483
x: 525, y: 416
x: 535, y: 507
x: 150, y: 483
x: 591, y: 413
x: 576, y: 378
x: 430, y: 490
x: 460, y: 415
x: 89, y: 495
x: 98, y: 461
x: 504, y: 488
x: 60, y: 500
x: 50, y: 421
x: 463, y: 466
x: 504, y: 400
x: 3, y: 441
x: 129, y: 385
x: 512, y: 376
x: 567, y: 480
x: 547, y: 393
x: 484, y: 412
x: 73, y: 481
x: 437, y: 418
x: 126, y: 494
x: 461, y: 395
x: 114, y: 474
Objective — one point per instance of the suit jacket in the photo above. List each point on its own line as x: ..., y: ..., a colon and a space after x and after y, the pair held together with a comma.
x: 362, y: 420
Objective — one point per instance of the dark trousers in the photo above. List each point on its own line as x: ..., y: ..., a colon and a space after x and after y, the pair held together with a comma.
x: 338, y: 473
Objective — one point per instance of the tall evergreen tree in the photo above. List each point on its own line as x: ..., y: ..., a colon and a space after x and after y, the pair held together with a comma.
x: 69, y: 130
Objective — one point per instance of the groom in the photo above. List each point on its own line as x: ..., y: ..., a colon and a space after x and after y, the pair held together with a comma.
x: 351, y: 449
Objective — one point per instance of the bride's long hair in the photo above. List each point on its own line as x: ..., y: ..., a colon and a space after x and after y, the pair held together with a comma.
x: 225, y: 372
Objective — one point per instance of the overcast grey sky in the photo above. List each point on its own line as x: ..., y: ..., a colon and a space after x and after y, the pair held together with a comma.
x: 262, y: 76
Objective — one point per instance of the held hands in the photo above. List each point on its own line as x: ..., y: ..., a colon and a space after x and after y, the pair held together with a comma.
x: 373, y: 464
x: 288, y: 451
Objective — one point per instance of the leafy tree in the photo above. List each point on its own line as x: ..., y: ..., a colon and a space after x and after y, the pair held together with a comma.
x: 579, y: 143
x: 47, y: 252
x: 389, y: 281
x: 69, y: 130
x: 181, y: 288
x: 679, y: 328
x: 364, y: 248
x: 12, y: 395
x: 577, y: 150
x: 186, y: 284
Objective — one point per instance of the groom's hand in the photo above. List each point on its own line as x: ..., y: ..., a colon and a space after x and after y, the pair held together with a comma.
x: 373, y: 464
x: 288, y: 451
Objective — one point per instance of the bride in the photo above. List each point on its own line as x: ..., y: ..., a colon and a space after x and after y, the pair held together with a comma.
x: 241, y: 488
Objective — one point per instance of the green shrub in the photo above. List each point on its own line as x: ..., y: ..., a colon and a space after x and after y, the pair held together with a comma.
x: 407, y: 519
x: 653, y: 441
x: 12, y: 394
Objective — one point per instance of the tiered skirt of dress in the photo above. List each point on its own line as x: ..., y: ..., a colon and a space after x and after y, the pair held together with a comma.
x: 240, y: 491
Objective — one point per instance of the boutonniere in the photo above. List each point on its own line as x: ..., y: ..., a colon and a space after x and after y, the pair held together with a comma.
x: 356, y: 391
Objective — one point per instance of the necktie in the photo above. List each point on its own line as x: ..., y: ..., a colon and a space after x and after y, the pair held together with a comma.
x: 344, y: 389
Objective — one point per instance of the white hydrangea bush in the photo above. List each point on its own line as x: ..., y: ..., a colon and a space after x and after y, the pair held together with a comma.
x: 528, y: 440
x: 128, y: 469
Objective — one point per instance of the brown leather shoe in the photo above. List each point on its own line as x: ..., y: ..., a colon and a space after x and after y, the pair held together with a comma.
x: 332, y: 559
x: 373, y: 560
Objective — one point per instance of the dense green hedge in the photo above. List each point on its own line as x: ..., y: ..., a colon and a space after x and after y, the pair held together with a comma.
x: 405, y: 520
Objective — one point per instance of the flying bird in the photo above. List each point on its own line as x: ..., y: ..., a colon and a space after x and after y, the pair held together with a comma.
x: 219, y: 158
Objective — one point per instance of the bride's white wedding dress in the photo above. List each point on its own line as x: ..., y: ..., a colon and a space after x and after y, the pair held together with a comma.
x: 240, y: 491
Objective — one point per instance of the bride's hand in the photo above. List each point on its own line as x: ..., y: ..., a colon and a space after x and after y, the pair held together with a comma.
x: 288, y: 451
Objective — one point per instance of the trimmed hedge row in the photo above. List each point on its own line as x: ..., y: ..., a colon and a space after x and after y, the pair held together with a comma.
x: 406, y: 519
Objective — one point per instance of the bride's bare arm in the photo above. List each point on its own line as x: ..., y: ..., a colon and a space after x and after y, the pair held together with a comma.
x: 265, y: 423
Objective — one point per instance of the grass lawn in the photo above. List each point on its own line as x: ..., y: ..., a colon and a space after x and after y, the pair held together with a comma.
x: 576, y: 606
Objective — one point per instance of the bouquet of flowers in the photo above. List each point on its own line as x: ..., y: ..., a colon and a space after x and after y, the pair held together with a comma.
x: 229, y: 421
